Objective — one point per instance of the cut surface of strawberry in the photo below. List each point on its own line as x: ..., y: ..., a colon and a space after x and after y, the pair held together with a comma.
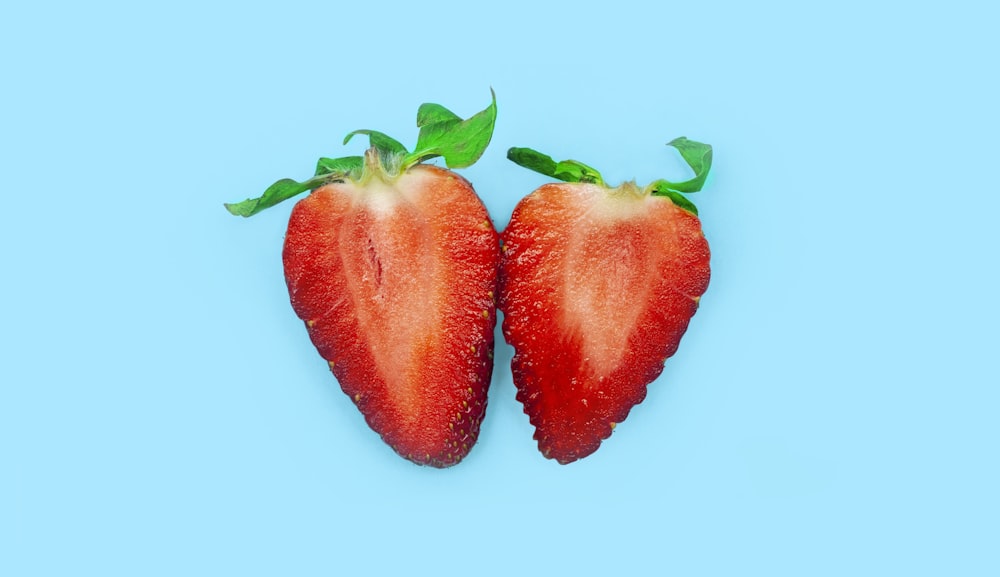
x: 598, y: 285
x: 392, y: 265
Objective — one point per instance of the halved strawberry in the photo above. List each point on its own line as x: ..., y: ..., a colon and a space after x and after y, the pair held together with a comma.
x: 393, y: 267
x: 597, y: 286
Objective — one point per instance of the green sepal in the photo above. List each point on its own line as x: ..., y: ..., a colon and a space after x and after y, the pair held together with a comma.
x: 680, y: 200
x: 443, y: 133
x: 385, y: 144
x: 279, y: 191
x: 698, y: 156
x: 533, y: 160
x: 574, y: 171
x: 327, y: 170
x: 430, y: 113
x: 566, y: 170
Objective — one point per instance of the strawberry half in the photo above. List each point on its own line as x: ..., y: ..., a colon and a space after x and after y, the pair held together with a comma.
x: 597, y: 286
x: 392, y: 265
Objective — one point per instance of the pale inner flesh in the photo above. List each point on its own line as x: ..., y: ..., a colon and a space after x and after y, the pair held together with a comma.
x: 392, y: 280
x: 608, y: 279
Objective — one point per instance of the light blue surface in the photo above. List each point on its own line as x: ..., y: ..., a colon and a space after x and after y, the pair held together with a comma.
x: 832, y: 410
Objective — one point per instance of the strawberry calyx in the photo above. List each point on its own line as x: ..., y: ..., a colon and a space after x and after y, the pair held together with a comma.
x: 697, y: 155
x: 442, y: 134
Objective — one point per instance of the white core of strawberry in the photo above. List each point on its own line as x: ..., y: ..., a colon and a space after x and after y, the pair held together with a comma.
x: 394, y: 281
x: 612, y: 265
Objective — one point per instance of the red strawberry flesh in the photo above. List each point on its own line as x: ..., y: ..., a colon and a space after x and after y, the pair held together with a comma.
x: 597, y: 288
x: 395, y: 281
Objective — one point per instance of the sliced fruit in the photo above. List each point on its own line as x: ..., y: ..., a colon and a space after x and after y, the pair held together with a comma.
x: 392, y: 264
x: 598, y: 285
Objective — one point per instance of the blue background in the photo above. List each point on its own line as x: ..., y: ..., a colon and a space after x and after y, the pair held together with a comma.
x: 831, y: 411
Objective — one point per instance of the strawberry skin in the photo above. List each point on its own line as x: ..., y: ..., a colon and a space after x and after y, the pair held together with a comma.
x: 395, y: 279
x: 597, y: 287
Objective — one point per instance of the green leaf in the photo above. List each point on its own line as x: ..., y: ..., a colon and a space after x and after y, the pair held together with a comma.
x: 343, y: 166
x: 385, y: 144
x: 327, y: 170
x: 573, y: 171
x: 699, y: 157
x: 442, y: 133
x: 282, y: 190
x: 430, y: 113
x: 533, y: 160
x: 680, y: 200
x: 445, y: 134
x: 566, y: 170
